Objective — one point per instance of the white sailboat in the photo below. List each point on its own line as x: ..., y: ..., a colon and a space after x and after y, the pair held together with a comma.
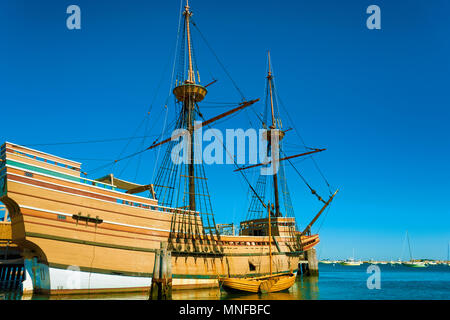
x: 412, y: 263
x: 351, y: 261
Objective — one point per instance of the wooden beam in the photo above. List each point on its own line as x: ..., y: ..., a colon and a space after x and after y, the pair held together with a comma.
x: 282, y: 159
x: 308, y: 227
x: 207, y: 122
x: 210, y: 83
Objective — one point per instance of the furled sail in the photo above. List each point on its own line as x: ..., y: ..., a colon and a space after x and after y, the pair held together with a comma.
x: 130, y: 187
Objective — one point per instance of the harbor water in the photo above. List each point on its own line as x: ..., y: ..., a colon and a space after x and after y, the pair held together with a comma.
x: 335, y: 282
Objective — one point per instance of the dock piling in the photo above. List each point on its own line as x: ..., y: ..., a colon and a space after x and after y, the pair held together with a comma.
x: 312, y: 268
x: 161, y: 288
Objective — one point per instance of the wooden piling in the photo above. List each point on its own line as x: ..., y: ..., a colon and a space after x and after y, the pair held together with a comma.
x: 161, y: 288
x: 313, y: 264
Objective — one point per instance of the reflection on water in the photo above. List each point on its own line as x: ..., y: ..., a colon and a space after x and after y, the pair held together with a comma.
x: 336, y: 282
x: 305, y: 288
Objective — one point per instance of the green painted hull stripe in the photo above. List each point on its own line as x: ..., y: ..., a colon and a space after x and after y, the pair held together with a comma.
x: 52, y: 173
x: 41, y: 170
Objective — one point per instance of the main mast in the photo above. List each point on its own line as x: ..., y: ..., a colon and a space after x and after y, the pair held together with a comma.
x: 274, y: 131
x: 182, y: 182
x: 190, y: 93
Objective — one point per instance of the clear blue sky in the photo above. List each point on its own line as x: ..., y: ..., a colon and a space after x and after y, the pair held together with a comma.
x: 377, y: 100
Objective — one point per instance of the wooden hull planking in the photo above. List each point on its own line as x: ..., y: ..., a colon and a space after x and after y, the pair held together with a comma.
x: 45, y: 203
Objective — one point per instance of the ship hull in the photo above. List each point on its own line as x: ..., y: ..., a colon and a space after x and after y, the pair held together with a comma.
x: 78, y: 235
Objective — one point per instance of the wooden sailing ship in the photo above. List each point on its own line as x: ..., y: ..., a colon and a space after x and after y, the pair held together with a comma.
x: 80, y: 235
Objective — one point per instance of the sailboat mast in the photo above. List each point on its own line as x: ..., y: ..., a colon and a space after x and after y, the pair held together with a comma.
x: 448, y: 253
x: 272, y: 130
x: 409, y: 245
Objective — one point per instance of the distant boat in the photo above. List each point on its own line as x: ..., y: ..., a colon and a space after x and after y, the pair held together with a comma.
x: 412, y: 263
x: 326, y: 261
x: 415, y: 264
x: 351, y: 261
x: 392, y: 262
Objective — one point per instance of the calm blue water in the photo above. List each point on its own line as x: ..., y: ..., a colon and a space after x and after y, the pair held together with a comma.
x: 335, y: 282
x: 397, y: 282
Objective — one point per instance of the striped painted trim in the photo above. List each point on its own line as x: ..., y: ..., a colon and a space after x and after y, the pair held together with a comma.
x: 15, y: 145
x: 75, y: 174
x: 75, y: 179
x: 87, y: 197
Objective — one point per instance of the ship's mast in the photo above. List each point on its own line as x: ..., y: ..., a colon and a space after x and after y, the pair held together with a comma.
x: 183, y: 184
x: 189, y: 93
x: 270, y: 239
x: 273, y: 130
x: 189, y: 109
x: 188, y: 14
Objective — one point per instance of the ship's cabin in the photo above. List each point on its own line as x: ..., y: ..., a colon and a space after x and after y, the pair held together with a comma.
x: 281, y: 226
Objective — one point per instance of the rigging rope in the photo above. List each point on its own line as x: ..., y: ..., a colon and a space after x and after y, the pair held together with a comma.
x: 304, y: 180
x: 138, y: 152
x: 86, y: 142
x: 324, y: 218
x: 237, y: 167
x: 218, y: 60
x: 304, y: 144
